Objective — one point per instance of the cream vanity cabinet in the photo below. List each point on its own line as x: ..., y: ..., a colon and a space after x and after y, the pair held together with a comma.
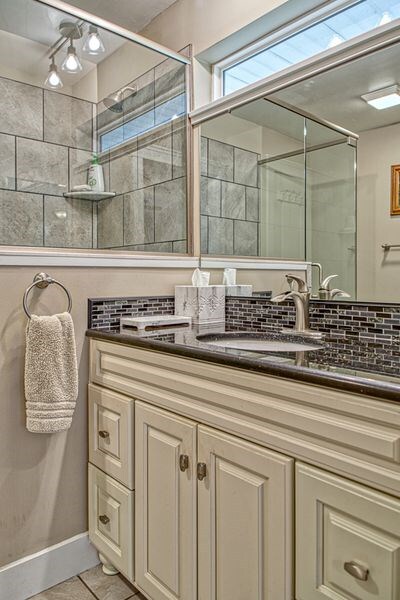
x: 206, y: 481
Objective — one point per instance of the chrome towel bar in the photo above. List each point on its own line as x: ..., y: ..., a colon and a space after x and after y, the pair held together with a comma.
x: 387, y: 247
x: 42, y: 280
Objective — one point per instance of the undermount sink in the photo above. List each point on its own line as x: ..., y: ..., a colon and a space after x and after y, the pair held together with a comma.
x: 254, y: 342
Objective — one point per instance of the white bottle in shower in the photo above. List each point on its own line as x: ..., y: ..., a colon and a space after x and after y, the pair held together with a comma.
x: 95, y: 175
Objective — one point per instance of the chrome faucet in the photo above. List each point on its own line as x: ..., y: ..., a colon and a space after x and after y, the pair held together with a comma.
x: 301, y: 298
x: 325, y: 292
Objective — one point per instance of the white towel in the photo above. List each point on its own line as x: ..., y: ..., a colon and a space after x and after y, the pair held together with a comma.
x: 51, y: 373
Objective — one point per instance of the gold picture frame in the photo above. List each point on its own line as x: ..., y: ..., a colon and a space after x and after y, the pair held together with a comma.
x: 395, y: 198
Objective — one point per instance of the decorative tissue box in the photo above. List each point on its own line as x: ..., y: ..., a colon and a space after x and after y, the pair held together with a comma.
x: 205, y: 304
x: 239, y: 290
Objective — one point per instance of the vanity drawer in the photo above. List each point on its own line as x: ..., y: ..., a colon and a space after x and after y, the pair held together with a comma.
x: 347, y: 539
x: 111, y: 434
x: 111, y: 520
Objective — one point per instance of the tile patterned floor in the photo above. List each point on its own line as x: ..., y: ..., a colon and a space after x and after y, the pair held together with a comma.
x: 92, y: 585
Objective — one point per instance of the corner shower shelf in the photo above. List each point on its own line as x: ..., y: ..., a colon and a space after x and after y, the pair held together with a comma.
x: 94, y: 196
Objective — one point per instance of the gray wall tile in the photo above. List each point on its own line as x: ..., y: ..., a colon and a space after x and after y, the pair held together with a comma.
x: 169, y: 80
x: 155, y: 157
x: 210, y: 196
x: 110, y: 229
x: 220, y: 160
x: 124, y: 169
x: 156, y: 247
x: 170, y: 210
x: 204, y: 234
x: 220, y: 236
x: 233, y: 200
x: 21, y: 219
x: 204, y: 156
x: 42, y: 168
x: 179, y: 147
x: 246, y: 167
x: 67, y: 222
x: 79, y: 162
x: 68, y: 121
x: 252, y: 204
x: 7, y: 162
x: 21, y: 109
x: 179, y: 247
x: 139, y: 217
x: 246, y: 238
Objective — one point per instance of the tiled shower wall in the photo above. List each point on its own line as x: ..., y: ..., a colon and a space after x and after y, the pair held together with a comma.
x: 46, y: 140
x: 46, y: 143
x: 147, y: 171
x: 230, y: 199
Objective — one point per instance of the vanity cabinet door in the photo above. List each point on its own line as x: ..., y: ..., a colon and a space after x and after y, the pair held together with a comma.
x: 347, y: 539
x: 165, y: 462
x: 245, y: 504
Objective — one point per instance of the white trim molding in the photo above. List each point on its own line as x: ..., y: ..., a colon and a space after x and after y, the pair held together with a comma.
x: 37, y: 572
x: 253, y: 264
x: 24, y: 258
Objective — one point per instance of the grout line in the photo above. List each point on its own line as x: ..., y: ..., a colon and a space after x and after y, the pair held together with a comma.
x: 87, y: 587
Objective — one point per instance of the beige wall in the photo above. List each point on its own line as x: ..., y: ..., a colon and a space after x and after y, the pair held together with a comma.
x: 43, y: 477
x: 378, y: 272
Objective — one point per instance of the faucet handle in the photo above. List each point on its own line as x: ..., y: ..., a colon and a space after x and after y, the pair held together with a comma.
x: 301, y: 284
x: 325, y: 283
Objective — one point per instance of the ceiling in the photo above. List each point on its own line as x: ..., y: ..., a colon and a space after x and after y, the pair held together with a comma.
x: 131, y: 14
x: 336, y: 95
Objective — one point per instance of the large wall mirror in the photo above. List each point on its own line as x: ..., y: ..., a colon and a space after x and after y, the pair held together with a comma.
x: 308, y: 173
x: 71, y: 95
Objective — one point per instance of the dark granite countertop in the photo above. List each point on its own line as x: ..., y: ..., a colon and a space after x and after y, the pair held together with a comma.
x: 364, y: 367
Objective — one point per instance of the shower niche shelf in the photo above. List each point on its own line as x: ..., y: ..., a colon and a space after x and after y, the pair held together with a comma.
x: 94, y: 196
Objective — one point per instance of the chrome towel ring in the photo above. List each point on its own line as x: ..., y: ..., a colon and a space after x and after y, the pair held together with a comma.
x: 42, y: 280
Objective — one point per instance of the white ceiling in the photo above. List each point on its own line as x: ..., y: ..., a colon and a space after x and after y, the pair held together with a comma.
x: 131, y: 14
x: 336, y: 95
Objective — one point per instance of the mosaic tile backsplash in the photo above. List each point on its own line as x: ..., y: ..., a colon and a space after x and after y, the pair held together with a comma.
x: 380, y: 322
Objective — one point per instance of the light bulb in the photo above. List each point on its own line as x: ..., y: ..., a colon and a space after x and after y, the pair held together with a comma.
x: 71, y: 62
x: 93, y: 44
x: 53, y: 79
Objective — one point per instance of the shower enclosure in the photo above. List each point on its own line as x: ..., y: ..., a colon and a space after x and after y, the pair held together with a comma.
x: 308, y: 201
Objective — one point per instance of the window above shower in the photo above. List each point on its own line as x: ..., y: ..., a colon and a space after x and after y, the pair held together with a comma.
x: 93, y: 136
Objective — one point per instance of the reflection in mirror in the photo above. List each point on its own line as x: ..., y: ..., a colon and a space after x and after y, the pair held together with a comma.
x: 342, y: 96
x: 278, y: 184
x: 92, y: 136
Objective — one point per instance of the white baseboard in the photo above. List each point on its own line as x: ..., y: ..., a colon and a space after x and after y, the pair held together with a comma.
x: 38, y: 572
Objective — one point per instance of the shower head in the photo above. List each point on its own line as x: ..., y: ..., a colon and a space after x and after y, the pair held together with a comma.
x: 114, y: 101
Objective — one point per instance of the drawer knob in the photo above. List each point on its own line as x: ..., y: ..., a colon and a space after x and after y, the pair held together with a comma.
x: 183, y: 462
x: 201, y: 471
x: 104, y: 519
x: 104, y: 434
x: 356, y: 570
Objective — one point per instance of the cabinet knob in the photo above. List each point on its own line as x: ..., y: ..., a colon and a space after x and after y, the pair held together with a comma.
x: 104, y: 519
x: 356, y: 570
x: 201, y: 471
x: 183, y: 462
x: 104, y: 434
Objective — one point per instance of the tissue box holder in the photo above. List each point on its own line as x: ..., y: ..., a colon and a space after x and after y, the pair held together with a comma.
x: 205, y: 304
